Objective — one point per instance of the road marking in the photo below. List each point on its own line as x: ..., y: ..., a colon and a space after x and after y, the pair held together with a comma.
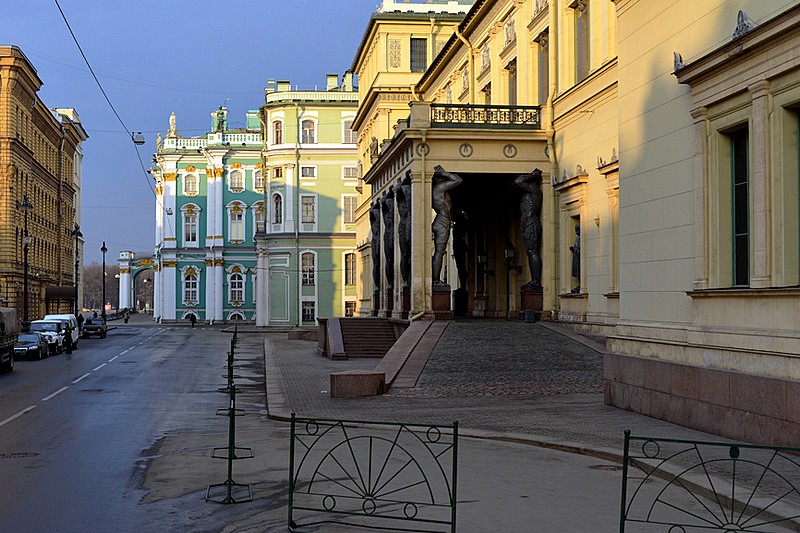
x: 123, y: 353
x: 99, y: 367
x: 82, y: 378
x: 56, y: 393
x: 10, y: 418
x: 112, y: 359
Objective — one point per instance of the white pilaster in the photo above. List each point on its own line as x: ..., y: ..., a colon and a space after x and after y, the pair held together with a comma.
x: 262, y: 283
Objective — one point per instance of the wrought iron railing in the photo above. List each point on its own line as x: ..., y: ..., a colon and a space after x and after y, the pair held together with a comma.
x: 372, y: 475
x: 485, y: 116
x: 684, y: 486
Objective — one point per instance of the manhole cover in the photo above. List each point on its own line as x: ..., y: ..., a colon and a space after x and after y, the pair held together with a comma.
x: 609, y: 468
x: 17, y: 455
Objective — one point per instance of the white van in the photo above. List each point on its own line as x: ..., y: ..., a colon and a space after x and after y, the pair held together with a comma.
x: 73, y: 324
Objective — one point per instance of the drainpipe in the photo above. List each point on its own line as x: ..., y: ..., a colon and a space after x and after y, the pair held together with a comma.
x: 471, y: 65
x: 551, y: 134
x: 297, y: 208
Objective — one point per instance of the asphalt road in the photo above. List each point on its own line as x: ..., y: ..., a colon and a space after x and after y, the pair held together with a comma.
x: 79, y: 432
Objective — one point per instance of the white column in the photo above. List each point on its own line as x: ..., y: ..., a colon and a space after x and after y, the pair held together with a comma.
x: 211, y: 281
x: 262, y: 283
x: 168, y: 282
x: 218, y: 289
x: 125, y: 288
x: 156, y: 293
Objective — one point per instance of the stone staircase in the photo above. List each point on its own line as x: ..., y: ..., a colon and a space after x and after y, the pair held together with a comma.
x: 367, y: 337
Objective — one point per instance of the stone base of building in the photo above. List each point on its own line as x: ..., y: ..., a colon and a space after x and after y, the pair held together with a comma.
x: 441, y: 302
x: 737, y: 406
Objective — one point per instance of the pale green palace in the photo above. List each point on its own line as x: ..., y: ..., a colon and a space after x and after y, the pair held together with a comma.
x: 257, y: 223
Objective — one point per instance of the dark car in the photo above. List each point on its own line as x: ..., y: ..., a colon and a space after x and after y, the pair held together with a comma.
x: 94, y: 326
x: 31, y: 346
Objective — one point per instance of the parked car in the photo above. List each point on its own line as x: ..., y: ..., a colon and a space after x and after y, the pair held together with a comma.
x: 53, y: 330
x: 31, y: 346
x: 94, y: 326
x: 72, y: 324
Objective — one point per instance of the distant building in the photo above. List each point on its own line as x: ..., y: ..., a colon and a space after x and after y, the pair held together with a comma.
x: 255, y: 223
x: 40, y: 159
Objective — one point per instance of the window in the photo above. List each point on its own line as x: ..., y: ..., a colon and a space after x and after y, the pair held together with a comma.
x: 350, y: 269
x: 308, y: 268
x: 581, y: 40
x: 309, y: 173
x: 309, y: 311
x: 236, y: 288
x: 189, y: 228
x: 190, y: 286
x: 236, y: 181
x: 235, y: 223
x: 350, y: 173
x: 309, y: 135
x: 419, y: 55
x: 277, y: 209
x: 740, y: 207
x: 277, y: 172
x: 348, y: 135
x: 350, y: 203
x: 277, y: 132
x: 349, y: 309
x: 190, y: 184
x: 258, y: 180
x: 258, y: 217
x: 308, y: 209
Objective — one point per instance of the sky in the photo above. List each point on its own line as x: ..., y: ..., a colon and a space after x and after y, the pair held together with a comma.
x: 156, y: 57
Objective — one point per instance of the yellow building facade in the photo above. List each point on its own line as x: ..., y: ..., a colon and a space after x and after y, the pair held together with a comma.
x: 669, y: 216
x: 40, y: 164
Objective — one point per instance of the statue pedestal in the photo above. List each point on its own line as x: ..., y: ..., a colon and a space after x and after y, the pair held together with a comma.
x: 405, y: 297
x: 532, y: 300
x: 376, y: 302
x: 441, y: 302
x: 387, y: 313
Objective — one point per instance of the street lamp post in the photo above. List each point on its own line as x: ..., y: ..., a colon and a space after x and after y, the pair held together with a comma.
x: 103, y: 310
x: 77, y: 233
x: 25, y: 206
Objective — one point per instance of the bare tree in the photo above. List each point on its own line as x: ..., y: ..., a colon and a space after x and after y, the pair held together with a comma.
x: 93, y: 286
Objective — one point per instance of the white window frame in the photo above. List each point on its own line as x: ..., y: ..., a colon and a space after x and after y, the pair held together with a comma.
x: 237, y: 270
x: 277, y: 213
x: 186, y: 272
x: 349, y: 136
x: 353, y: 271
x: 355, y: 175
x: 303, y: 305
x: 353, y: 198
x: 315, y: 132
x: 258, y: 209
x: 302, y: 210
x: 272, y: 135
x: 258, y: 180
x: 190, y: 210
x: 238, y: 172
x: 308, y: 178
x: 308, y: 276
x: 196, y: 189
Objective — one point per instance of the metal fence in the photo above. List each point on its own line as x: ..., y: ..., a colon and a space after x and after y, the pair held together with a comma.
x: 372, y: 475
x: 684, y: 486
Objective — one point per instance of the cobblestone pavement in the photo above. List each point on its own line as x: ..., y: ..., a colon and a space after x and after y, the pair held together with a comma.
x: 497, y: 378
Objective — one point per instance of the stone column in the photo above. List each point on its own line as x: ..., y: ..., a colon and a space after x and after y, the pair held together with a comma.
x: 262, y: 282
x: 760, y: 216
x: 701, y: 248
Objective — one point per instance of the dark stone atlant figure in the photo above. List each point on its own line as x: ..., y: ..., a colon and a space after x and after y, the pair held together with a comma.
x: 441, y: 183
x: 387, y: 208
x: 576, y: 258
x: 375, y: 226
x: 403, y: 196
x: 530, y: 207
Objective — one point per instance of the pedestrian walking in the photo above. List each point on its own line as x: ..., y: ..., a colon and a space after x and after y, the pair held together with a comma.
x: 68, y: 339
x: 127, y: 316
x: 192, y: 319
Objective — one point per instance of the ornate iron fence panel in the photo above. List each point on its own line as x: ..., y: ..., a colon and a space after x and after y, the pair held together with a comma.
x: 372, y: 475
x: 683, y: 486
x: 485, y: 116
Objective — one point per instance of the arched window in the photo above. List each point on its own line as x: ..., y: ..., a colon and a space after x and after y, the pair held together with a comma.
x: 258, y: 217
x: 236, y: 288
x: 350, y: 269
x: 277, y: 209
x: 189, y: 228
x: 190, y: 184
x: 236, y: 181
x: 308, y: 268
x: 258, y: 180
x: 277, y: 132
x: 236, y: 222
x: 309, y: 132
x: 190, y: 286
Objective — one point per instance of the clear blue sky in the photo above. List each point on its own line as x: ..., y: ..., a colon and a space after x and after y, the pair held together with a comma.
x: 156, y: 57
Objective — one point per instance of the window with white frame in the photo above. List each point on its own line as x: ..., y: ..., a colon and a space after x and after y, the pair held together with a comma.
x: 258, y: 180
x: 258, y: 217
x: 190, y: 286
x: 308, y: 131
x: 277, y: 209
x: 190, y: 213
x: 236, y: 181
x: 350, y: 173
x: 349, y: 308
x: 348, y: 135
x: 236, y: 287
x: 308, y: 173
x: 349, y: 205
x: 190, y: 184
x: 308, y: 267
x: 308, y: 209
x: 309, y: 311
x: 277, y: 132
x: 236, y: 222
x: 277, y: 173
x: 350, y: 269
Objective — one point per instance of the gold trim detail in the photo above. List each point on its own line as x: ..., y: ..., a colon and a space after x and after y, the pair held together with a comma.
x: 169, y: 264
x: 219, y: 262
x: 124, y: 270
x: 209, y: 262
x: 170, y: 176
x: 236, y: 165
x: 191, y: 168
